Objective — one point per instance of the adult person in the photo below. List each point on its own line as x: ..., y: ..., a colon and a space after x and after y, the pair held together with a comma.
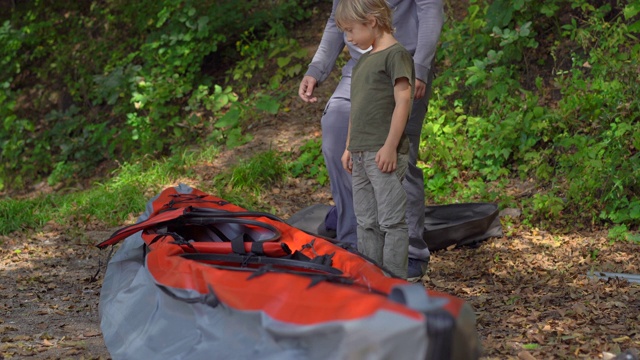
x: 417, y: 24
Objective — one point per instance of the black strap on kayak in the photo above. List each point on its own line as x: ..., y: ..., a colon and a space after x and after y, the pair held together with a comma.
x: 246, y: 260
x: 258, y: 248
x: 205, y: 212
x: 326, y: 259
x: 94, y: 278
x: 179, y: 240
x: 237, y: 243
x: 316, y: 278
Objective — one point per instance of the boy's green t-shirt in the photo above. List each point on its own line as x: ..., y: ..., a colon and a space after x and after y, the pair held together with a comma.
x: 372, y: 99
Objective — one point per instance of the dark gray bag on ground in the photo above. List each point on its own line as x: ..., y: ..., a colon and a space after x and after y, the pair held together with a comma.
x: 444, y: 225
x: 460, y: 224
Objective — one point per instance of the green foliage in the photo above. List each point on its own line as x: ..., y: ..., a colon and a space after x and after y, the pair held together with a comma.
x: 546, y: 206
x: 110, y: 203
x: 310, y: 163
x: 244, y: 183
x: 622, y: 233
x: 21, y: 215
x: 262, y: 171
x: 572, y: 131
x: 258, y: 53
x: 93, y: 81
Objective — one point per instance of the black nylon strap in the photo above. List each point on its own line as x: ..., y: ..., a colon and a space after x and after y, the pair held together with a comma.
x: 257, y: 248
x: 237, y: 245
x: 252, y: 259
x: 205, y: 212
x: 326, y: 259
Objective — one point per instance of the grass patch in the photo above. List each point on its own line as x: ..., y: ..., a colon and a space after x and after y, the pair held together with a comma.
x: 131, y: 186
x: 245, y: 183
x: 18, y: 215
x: 110, y: 203
x: 262, y: 171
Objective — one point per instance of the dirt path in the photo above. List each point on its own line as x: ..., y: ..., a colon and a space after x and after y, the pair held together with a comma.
x: 531, y: 292
x: 48, y: 301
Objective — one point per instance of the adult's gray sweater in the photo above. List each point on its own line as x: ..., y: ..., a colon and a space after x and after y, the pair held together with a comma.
x: 418, y: 24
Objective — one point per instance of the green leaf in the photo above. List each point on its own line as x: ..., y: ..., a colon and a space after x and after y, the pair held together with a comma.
x: 631, y: 10
x: 268, y: 104
x: 275, y: 81
x: 163, y: 15
x: 634, y: 212
x: 538, y: 111
x: 500, y: 13
x: 219, y: 101
x: 525, y: 29
x: 283, y: 61
x: 635, y: 27
x: 203, y: 27
x: 294, y: 70
x: 549, y: 9
x: 230, y: 119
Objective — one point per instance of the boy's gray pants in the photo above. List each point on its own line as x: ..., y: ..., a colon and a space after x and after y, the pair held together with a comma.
x: 335, y: 124
x: 380, y: 202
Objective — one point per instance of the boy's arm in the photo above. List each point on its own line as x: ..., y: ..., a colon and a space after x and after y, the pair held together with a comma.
x: 387, y: 156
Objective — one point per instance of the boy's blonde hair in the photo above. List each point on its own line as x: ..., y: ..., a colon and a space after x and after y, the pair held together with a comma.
x: 360, y: 11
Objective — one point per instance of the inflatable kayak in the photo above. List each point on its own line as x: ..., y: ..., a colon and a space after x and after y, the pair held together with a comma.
x: 200, y: 278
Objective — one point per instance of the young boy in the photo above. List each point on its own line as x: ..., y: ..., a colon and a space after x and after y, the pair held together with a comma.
x: 377, y: 150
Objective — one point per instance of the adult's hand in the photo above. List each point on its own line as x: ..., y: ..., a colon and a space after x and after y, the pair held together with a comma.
x: 347, y: 162
x: 421, y: 89
x: 307, y: 85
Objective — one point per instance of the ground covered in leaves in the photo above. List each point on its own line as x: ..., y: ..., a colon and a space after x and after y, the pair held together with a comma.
x: 533, y: 291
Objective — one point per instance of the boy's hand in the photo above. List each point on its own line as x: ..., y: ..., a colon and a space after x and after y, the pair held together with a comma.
x: 347, y: 163
x: 387, y: 159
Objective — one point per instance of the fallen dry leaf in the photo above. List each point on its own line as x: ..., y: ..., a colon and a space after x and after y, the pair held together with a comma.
x: 525, y: 355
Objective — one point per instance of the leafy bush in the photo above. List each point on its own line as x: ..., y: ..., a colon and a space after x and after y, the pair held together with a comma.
x: 94, y: 81
x: 569, y: 126
x: 310, y: 162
